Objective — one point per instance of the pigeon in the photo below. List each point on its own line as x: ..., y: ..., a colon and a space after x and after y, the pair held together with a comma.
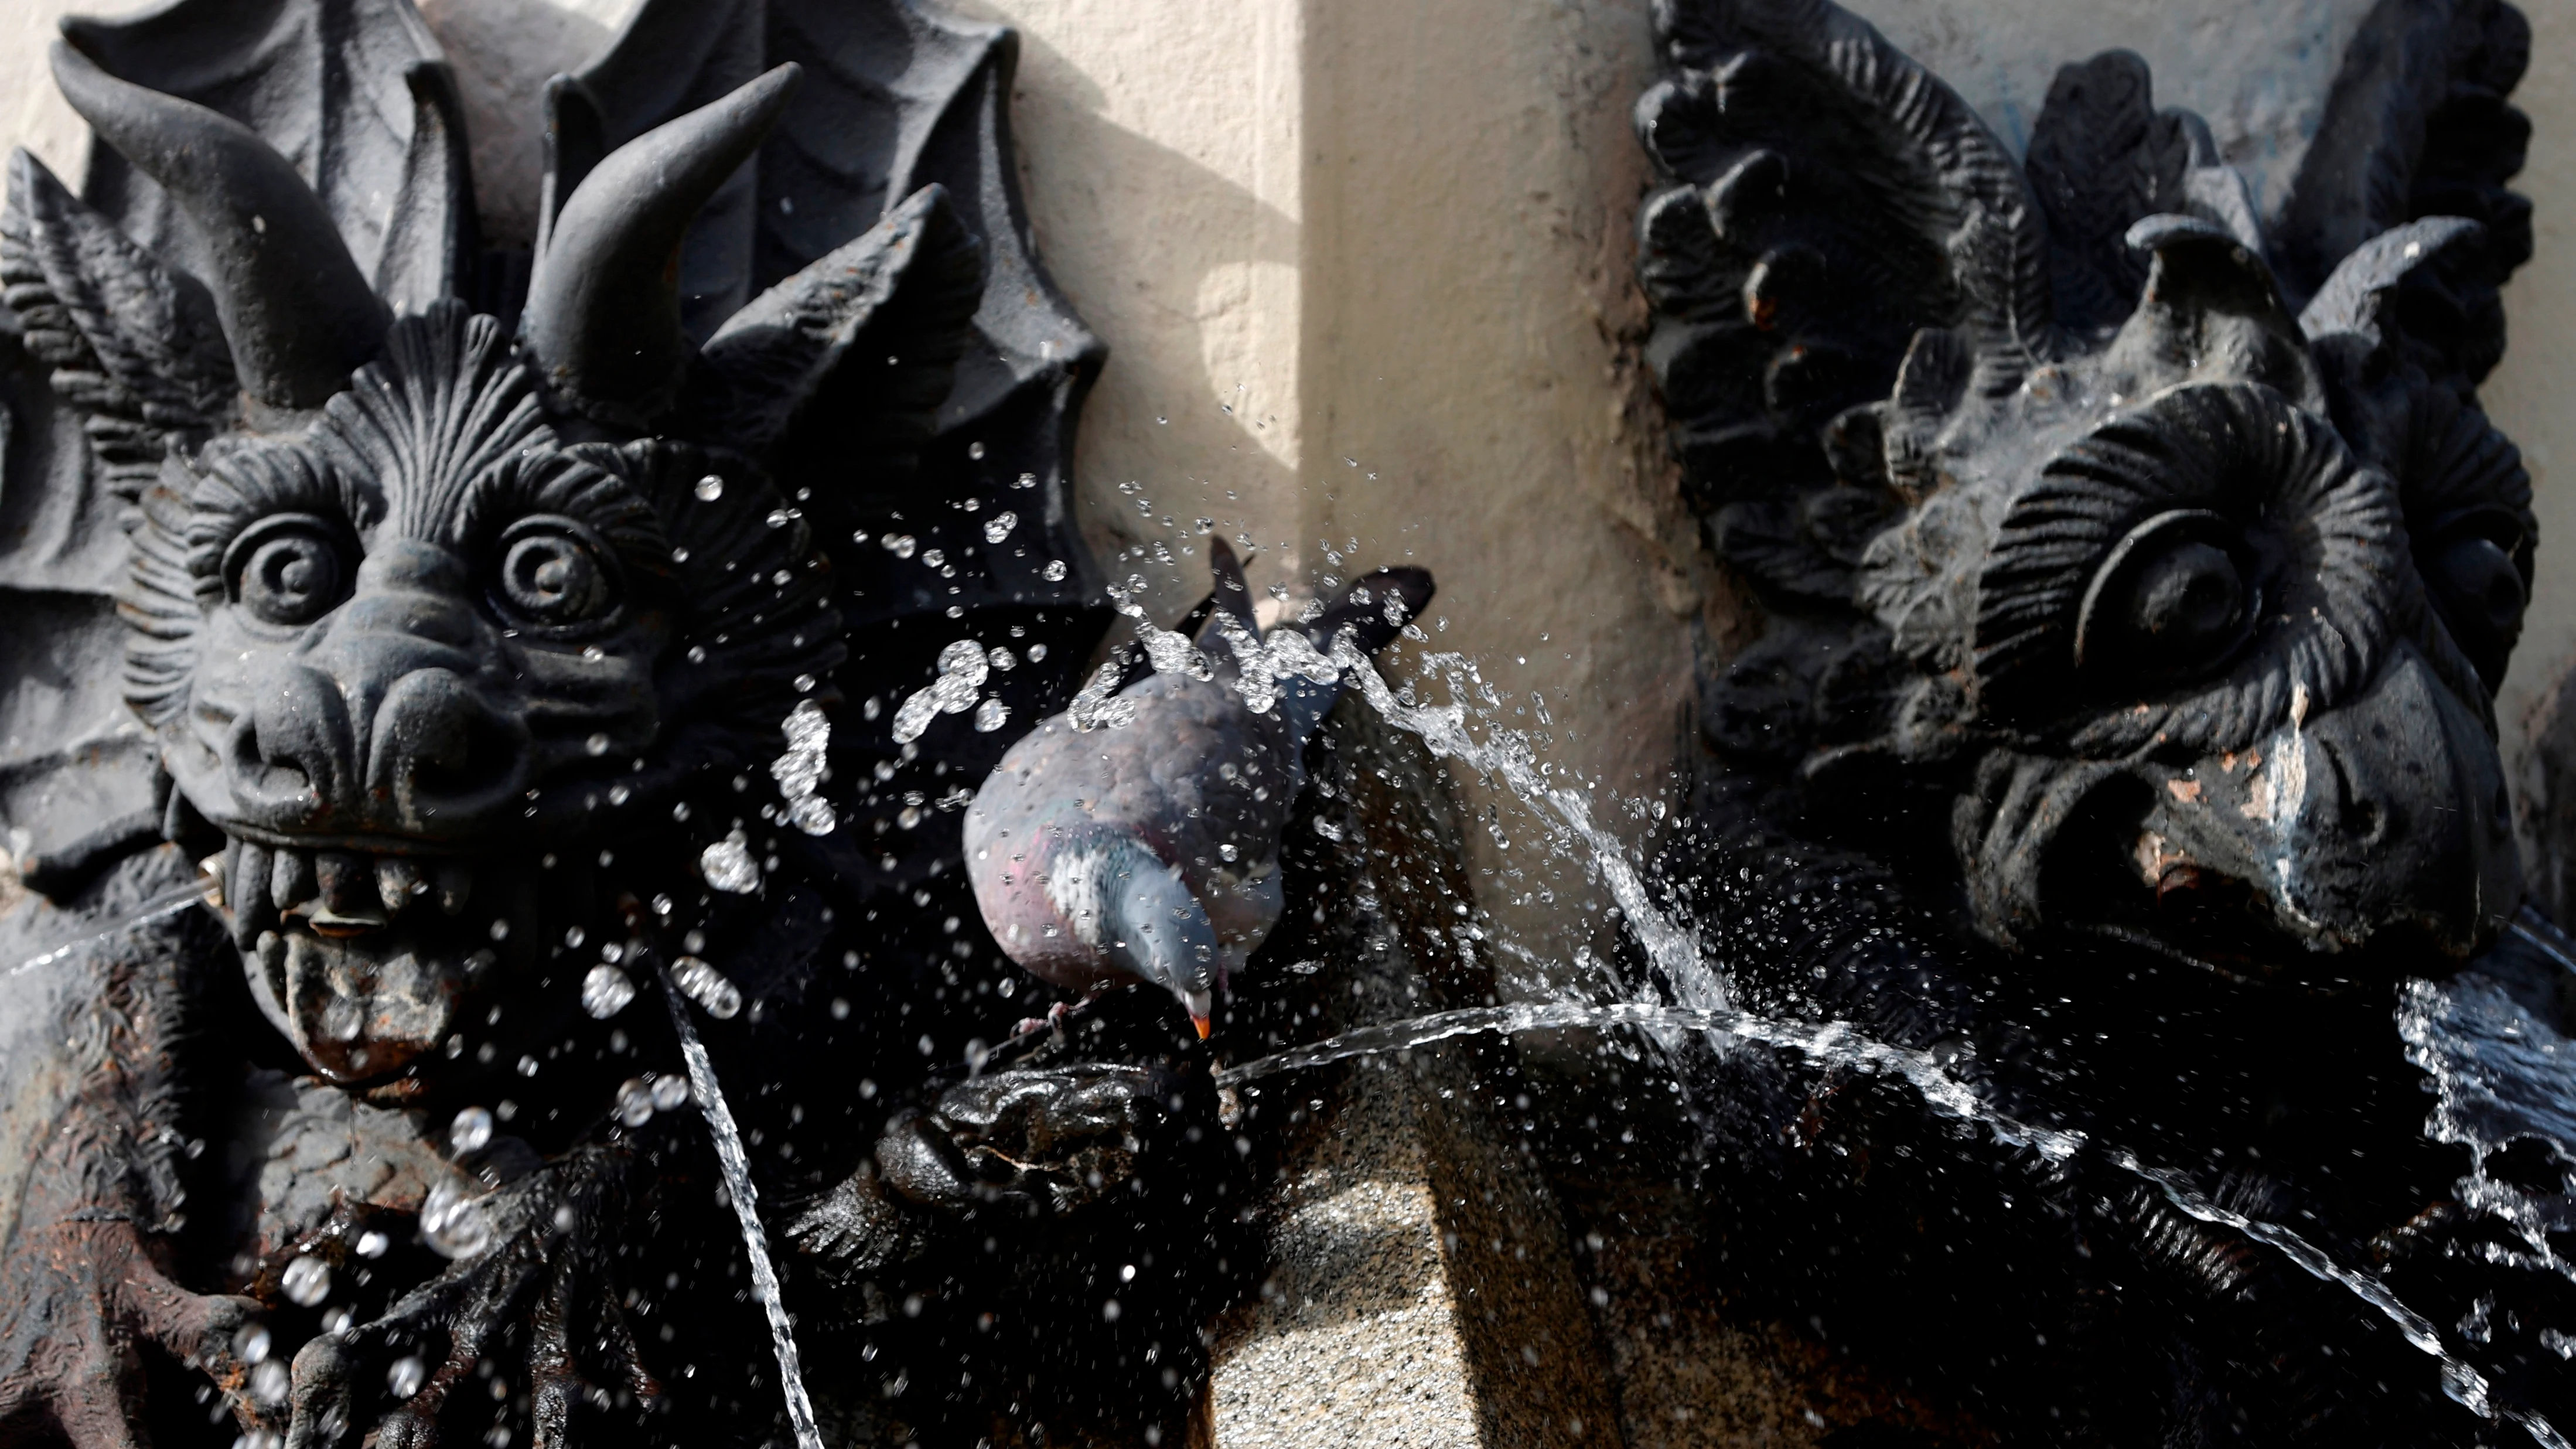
x: 1135, y: 837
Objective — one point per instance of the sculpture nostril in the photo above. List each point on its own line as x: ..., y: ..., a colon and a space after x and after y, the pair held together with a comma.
x: 2361, y: 814
x: 474, y: 757
x: 444, y: 756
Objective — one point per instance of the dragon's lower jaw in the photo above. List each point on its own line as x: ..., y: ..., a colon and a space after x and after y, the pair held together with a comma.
x: 368, y: 961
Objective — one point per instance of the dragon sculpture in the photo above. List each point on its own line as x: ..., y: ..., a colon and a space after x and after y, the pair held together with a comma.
x: 2136, y: 575
x: 512, y: 631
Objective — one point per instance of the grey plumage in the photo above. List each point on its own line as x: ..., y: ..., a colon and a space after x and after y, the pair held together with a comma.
x: 1149, y: 850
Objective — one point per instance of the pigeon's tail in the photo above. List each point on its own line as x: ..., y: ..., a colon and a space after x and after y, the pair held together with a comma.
x: 1157, y: 931
x: 1375, y: 608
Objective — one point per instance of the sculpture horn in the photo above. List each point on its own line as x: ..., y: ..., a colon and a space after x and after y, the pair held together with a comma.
x: 603, y: 312
x: 298, y: 313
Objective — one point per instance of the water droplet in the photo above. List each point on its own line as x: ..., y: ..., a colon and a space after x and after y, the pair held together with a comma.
x: 406, y: 1376
x: 669, y: 1092
x: 991, y: 715
x: 453, y: 1223
x: 471, y: 1129
x: 1025, y: 480
x: 910, y: 817
x: 596, y: 744
x: 606, y: 991
x: 813, y: 815
x: 343, y: 1019
x: 307, y: 1281
x: 999, y: 526
x: 1054, y: 571
x: 252, y: 1344
x: 727, y: 865
x: 778, y: 518
x: 707, y: 987
x: 1002, y: 658
x: 634, y: 1102
x: 900, y: 545
x: 710, y: 488
x: 1227, y: 851
x: 933, y: 558
x: 269, y: 1382
x: 1037, y: 653
x: 975, y: 451
x: 372, y: 1244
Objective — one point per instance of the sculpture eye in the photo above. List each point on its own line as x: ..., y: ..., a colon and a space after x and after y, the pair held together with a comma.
x: 555, y: 574
x: 2172, y: 600
x: 288, y: 570
x: 2478, y: 588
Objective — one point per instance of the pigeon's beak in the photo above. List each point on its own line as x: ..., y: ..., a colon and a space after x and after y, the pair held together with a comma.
x: 1199, y: 1005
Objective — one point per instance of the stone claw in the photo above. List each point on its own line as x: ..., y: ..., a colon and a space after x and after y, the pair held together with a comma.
x: 79, y: 1301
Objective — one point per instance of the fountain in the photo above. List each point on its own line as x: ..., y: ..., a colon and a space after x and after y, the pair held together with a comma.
x: 2088, y: 879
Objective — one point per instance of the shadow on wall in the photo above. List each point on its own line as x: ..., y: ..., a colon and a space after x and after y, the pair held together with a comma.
x: 1185, y: 273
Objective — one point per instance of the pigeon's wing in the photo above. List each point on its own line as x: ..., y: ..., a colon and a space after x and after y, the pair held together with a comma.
x: 355, y: 92
x: 1823, y: 200
x: 2418, y: 126
x: 1374, y: 609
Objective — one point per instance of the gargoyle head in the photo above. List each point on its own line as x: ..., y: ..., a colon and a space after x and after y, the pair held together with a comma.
x: 2185, y: 605
x: 435, y: 618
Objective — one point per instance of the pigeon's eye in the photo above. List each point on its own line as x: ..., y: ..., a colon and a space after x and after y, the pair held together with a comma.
x: 288, y: 570
x: 2171, y: 601
x: 2470, y: 572
x: 555, y: 574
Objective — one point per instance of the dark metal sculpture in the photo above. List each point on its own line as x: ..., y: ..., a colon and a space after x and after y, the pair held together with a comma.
x: 2136, y: 575
x: 512, y: 630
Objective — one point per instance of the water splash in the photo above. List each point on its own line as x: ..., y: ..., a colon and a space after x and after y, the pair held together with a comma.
x: 1705, y: 1005
x: 1843, y: 1045
x: 171, y: 902
x: 1674, y: 952
x: 745, y: 1197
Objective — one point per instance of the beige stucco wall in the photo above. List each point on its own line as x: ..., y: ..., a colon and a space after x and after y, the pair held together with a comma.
x: 1362, y: 266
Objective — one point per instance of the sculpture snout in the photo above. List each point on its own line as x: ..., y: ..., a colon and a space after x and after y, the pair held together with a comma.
x: 2381, y: 822
x: 389, y: 726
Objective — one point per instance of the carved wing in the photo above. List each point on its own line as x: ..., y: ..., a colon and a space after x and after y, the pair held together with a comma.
x: 355, y: 92
x: 870, y: 273
x: 1826, y: 199
x: 132, y: 346
x: 2418, y: 126
x: 2101, y: 159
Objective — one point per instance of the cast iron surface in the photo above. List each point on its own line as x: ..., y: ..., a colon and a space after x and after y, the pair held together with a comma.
x: 463, y: 598
x: 2136, y: 573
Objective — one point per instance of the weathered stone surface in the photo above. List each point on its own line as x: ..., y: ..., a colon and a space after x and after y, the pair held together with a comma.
x: 1421, y: 1293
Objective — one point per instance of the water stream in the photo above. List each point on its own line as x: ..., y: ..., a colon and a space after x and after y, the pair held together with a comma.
x: 159, y: 907
x: 746, y: 1210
